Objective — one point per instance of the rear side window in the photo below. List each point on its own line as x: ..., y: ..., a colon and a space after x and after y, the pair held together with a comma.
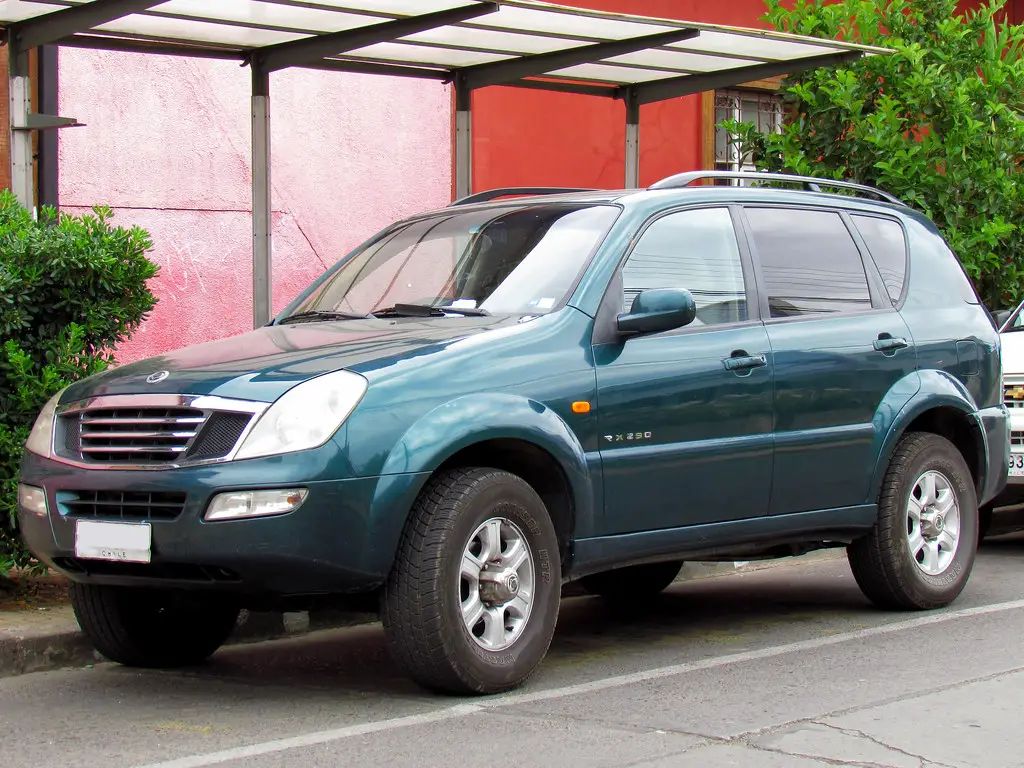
x: 810, y: 262
x: 888, y: 247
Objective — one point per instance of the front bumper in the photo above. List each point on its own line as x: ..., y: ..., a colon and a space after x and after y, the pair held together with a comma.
x: 340, y: 540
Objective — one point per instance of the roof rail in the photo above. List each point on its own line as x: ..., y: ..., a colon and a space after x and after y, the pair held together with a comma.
x: 810, y: 183
x: 492, y: 194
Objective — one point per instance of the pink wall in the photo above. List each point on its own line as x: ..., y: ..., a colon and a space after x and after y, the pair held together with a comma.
x: 167, y: 147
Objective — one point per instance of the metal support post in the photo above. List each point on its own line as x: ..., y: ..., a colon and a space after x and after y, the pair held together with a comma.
x: 22, y: 183
x: 262, y: 292
x: 632, y: 139
x: 463, y: 139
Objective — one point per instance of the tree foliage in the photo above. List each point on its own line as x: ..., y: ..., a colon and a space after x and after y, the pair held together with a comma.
x: 71, y: 289
x: 938, y: 123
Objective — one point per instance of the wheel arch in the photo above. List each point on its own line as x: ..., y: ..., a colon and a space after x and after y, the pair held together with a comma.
x: 941, y: 406
x: 501, y: 431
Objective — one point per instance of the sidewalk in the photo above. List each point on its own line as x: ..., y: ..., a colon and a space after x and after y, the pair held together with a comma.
x: 46, y: 638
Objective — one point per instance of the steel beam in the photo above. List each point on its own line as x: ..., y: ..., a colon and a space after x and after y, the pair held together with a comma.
x: 463, y: 140
x: 501, y: 72
x: 51, y: 27
x: 660, y: 90
x: 104, y: 43
x: 47, y: 172
x: 20, y: 88
x: 261, y: 199
x: 299, y: 52
x: 584, y: 89
x: 374, y: 68
x: 632, y: 140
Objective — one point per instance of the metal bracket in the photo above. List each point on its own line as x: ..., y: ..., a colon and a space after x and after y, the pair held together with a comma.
x: 39, y: 122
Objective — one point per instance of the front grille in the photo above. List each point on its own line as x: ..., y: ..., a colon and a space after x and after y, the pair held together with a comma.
x: 148, y: 435
x: 122, y: 505
x: 1017, y: 438
x: 175, y: 571
x: 1013, y: 395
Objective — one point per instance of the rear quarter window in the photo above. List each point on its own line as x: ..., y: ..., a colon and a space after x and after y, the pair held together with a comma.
x: 887, y: 244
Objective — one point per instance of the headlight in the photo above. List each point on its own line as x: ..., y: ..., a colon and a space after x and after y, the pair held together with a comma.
x: 40, y: 439
x: 305, y: 416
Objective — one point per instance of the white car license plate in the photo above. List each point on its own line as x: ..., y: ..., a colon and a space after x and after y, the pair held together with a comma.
x: 1017, y: 465
x: 120, y: 542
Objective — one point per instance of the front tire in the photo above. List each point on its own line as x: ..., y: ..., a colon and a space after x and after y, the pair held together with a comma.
x: 921, y: 550
x: 151, y: 628
x: 636, y: 582
x: 471, y: 604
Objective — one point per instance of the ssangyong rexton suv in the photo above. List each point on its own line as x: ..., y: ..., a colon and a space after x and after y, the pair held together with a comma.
x: 485, y: 402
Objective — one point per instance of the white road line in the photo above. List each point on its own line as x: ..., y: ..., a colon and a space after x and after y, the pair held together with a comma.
x: 515, y: 698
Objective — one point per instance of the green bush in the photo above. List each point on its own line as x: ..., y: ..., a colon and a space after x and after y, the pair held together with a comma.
x: 71, y: 289
x: 937, y: 124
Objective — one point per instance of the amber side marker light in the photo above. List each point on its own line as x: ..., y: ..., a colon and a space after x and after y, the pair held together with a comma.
x: 581, y: 406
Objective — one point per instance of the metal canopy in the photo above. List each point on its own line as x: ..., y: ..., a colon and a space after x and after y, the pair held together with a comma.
x: 471, y: 43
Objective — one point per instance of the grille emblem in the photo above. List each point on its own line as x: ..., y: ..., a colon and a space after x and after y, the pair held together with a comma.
x: 156, y: 378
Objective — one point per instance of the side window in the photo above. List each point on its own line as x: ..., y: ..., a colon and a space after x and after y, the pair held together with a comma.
x: 888, y: 247
x: 810, y: 262
x: 696, y: 251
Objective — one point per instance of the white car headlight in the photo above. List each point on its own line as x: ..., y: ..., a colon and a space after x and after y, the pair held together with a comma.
x: 305, y: 416
x: 40, y: 439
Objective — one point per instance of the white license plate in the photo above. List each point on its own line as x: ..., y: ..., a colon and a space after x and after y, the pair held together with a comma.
x: 1017, y: 465
x: 120, y: 542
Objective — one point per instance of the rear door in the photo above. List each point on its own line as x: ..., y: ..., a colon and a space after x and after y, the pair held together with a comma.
x: 685, y: 415
x: 839, y: 345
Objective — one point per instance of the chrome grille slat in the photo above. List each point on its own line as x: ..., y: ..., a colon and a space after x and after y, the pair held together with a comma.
x: 115, y: 422
x: 133, y: 448
x: 137, y: 435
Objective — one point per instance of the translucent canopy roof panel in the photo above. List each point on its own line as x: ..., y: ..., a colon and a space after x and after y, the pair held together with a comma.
x: 549, y: 42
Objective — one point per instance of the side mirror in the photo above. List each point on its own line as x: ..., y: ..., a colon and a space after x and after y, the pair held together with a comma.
x: 657, y: 310
x: 1001, y: 316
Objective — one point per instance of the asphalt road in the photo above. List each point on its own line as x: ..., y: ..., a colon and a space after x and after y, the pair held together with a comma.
x: 786, y: 667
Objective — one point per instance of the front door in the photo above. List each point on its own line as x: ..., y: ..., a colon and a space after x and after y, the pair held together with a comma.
x: 839, y: 347
x: 686, y: 415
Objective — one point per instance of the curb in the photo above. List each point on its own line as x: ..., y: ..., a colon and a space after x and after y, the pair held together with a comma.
x: 55, y: 642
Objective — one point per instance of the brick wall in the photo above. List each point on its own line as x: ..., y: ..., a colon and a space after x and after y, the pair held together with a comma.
x: 5, y: 139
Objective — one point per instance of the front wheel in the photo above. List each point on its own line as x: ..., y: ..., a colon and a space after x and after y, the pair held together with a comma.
x: 151, y: 628
x: 921, y: 549
x: 471, y: 603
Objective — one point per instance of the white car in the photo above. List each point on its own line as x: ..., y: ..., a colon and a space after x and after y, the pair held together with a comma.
x: 1011, y: 333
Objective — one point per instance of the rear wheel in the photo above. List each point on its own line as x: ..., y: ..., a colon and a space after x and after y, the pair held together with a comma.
x: 921, y: 550
x: 472, y: 601
x: 985, y: 520
x: 633, y: 583
x: 151, y: 628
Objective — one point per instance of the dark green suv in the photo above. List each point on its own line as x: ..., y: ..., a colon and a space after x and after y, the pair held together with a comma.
x: 482, y: 403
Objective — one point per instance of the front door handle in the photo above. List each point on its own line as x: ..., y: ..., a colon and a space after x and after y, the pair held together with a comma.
x: 741, y: 361
x: 887, y: 343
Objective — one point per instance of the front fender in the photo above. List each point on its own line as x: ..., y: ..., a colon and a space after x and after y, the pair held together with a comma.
x: 458, y: 424
x: 934, y: 389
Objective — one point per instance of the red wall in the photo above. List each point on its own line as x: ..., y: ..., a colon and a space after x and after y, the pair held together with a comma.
x: 524, y: 138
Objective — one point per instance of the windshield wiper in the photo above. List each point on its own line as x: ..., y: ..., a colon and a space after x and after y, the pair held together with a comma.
x: 314, y: 315
x: 423, y: 310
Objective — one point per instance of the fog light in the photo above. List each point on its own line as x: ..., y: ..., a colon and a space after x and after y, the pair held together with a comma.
x: 242, y: 504
x: 32, y: 499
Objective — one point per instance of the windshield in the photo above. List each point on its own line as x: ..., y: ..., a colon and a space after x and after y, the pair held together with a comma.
x: 1016, y: 322
x: 498, y: 261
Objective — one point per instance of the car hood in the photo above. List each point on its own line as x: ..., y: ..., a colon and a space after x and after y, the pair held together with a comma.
x: 265, y: 363
x: 1012, y: 344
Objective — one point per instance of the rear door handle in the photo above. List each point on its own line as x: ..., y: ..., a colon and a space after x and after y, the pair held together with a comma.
x: 887, y: 343
x: 740, y: 361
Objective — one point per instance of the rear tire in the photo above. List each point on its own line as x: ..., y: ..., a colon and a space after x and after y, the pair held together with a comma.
x: 637, y: 582
x: 921, y: 550
x: 151, y: 628
x: 985, y: 520
x: 453, y: 614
